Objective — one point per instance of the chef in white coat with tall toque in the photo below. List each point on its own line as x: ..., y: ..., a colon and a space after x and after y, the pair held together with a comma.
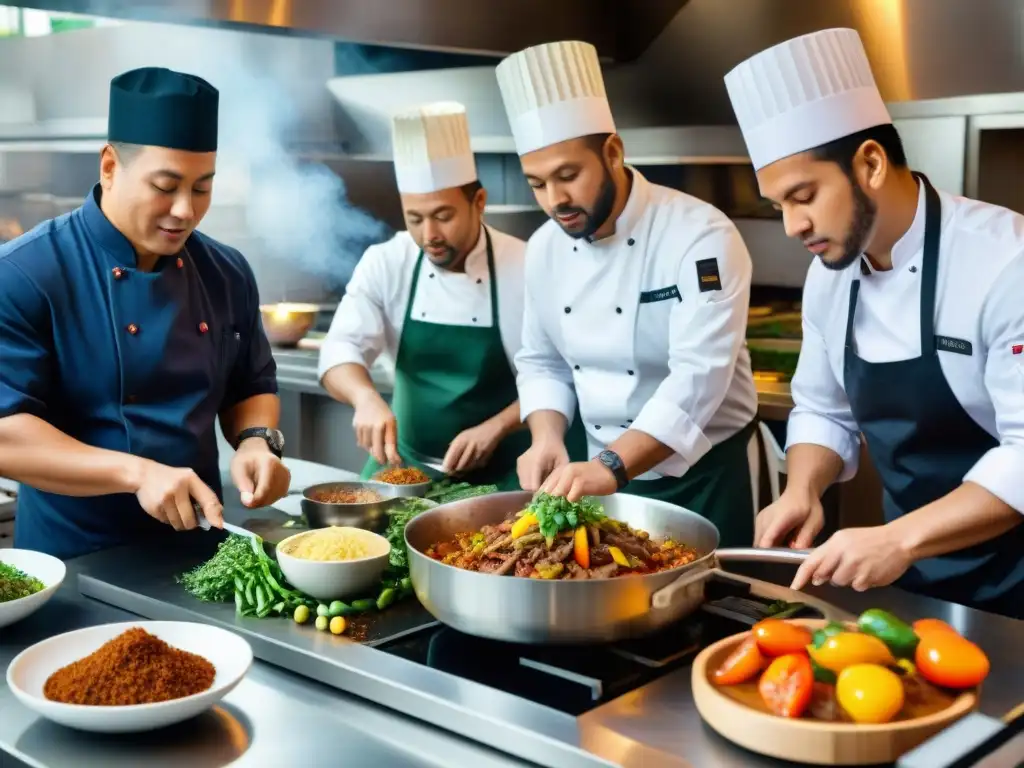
x: 444, y: 299
x: 636, y: 308
x: 913, y: 336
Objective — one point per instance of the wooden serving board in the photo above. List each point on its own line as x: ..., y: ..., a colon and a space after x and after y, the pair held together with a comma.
x: 738, y: 714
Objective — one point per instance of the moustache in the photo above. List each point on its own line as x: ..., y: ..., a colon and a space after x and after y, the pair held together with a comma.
x: 569, y: 210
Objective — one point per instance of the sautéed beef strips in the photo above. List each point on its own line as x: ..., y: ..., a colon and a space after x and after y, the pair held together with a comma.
x: 553, y: 539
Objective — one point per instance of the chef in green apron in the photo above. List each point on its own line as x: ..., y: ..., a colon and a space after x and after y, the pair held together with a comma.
x: 636, y: 308
x: 444, y: 300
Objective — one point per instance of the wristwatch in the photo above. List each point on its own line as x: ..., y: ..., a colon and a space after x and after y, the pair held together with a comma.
x: 274, y: 438
x: 612, y: 460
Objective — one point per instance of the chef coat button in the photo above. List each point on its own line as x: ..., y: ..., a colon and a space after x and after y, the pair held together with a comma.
x: 574, y: 249
x: 431, y: 275
x: 567, y: 310
x: 623, y: 426
x: 597, y: 426
x: 576, y: 367
x: 423, y: 314
x: 618, y: 310
x: 913, y: 269
x: 203, y: 327
x: 629, y: 421
x: 630, y: 373
x: 474, y: 319
x: 631, y: 241
x: 181, y: 262
x: 479, y: 280
x: 133, y: 328
x: 118, y: 273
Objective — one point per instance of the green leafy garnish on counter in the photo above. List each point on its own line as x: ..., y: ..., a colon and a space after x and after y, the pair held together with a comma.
x: 447, y: 491
x: 16, y: 584
x: 557, y: 513
x: 241, y: 569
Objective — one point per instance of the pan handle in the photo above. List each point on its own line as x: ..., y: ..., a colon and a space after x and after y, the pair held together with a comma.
x: 765, y: 555
x: 665, y: 596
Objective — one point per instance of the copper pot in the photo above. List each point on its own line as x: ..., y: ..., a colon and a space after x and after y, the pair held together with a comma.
x: 287, y: 324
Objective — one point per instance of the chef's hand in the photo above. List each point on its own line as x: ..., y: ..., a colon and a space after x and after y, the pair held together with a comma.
x: 855, y: 557
x: 795, y: 518
x: 376, y: 429
x: 472, y: 448
x: 166, y: 494
x: 579, y: 479
x: 539, y: 461
x: 259, y: 475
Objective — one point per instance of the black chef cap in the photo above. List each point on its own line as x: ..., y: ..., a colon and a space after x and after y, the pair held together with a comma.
x: 158, y: 107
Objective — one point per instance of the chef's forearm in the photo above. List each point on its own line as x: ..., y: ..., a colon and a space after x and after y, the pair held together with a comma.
x: 962, y: 518
x: 811, y: 469
x: 36, y: 454
x: 546, y: 426
x: 257, y: 411
x: 639, y: 451
x: 508, y: 420
x: 349, y: 383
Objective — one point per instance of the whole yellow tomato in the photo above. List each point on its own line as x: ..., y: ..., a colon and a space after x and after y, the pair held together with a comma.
x: 869, y: 693
x: 848, y: 648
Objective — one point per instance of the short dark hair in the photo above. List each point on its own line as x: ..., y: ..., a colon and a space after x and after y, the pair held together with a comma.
x: 842, y: 151
x: 126, y: 152
x: 470, y: 190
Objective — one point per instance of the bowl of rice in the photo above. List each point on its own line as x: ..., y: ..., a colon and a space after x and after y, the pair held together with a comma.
x: 335, y: 562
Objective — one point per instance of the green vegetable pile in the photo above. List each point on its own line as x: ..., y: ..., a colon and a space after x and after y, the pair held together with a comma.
x: 557, y: 513
x: 242, y: 570
x: 16, y: 584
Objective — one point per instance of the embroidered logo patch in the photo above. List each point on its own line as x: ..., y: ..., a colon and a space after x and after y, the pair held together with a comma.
x: 661, y: 294
x: 708, y: 278
x: 949, y: 344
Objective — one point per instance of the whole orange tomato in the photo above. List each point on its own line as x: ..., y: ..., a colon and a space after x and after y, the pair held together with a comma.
x: 777, y: 638
x: 949, y: 660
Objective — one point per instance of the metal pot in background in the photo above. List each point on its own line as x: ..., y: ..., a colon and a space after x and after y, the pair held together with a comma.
x: 520, y: 610
x: 371, y: 515
x: 287, y: 324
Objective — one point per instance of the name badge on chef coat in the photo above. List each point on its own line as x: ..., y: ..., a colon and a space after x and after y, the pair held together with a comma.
x: 949, y: 344
x: 662, y: 294
x: 708, y: 278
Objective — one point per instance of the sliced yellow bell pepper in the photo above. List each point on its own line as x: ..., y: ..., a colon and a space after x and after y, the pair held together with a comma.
x: 522, y: 525
x: 581, y: 547
x: 848, y: 648
x: 618, y: 556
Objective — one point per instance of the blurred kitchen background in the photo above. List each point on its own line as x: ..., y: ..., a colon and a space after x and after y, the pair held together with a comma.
x: 305, y: 182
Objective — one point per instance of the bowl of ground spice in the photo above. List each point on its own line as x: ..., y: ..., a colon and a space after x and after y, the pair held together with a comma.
x: 28, y: 580
x: 404, y: 481
x: 130, y: 677
x: 356, y: 504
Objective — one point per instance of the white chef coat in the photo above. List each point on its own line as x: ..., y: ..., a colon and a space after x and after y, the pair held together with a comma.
x: 371, y: 314
x: 678, y: 368
x: 979, y: 299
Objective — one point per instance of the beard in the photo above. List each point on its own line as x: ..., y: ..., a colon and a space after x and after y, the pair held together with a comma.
x: 445, y: 259
x: 865, y: 212
x: 593, y: 219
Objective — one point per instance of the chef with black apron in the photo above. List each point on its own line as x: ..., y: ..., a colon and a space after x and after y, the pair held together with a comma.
x: 913, y: 337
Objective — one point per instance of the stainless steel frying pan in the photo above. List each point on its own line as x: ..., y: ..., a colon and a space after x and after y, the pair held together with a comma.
x: 538, y: 611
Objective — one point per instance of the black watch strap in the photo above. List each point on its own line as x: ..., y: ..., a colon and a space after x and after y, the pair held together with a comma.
x: 274, y: 438
x: 613, y: 461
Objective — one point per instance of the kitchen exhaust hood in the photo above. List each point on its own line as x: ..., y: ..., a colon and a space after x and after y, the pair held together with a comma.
x: 620, y: 29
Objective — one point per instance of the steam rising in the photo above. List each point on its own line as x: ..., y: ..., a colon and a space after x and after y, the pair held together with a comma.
x: 296, y: 209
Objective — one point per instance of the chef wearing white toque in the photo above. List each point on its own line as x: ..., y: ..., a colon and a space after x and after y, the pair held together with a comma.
x: 913, y: 335
x: 636, y: 308
x: 445, y: 300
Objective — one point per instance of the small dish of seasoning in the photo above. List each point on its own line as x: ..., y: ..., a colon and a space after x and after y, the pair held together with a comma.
x: 404, y: 481
x: 130, y: 677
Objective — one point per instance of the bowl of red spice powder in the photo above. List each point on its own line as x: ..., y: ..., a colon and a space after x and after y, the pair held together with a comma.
x: 130, y: 677
x: 404, y: 481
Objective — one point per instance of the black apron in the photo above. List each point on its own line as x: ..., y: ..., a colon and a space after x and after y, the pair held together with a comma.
x: 923, y: 443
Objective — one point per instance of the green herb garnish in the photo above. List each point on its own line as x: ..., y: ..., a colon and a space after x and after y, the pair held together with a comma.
x: 557, y: 513
x: 16, y: 584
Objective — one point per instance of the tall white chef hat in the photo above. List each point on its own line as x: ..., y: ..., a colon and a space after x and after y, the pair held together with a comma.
x: 431, y: 148
x: 552, y: 93
x: 804, y: 93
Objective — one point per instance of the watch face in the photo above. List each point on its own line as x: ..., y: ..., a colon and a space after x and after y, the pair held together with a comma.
x: 276, y: 438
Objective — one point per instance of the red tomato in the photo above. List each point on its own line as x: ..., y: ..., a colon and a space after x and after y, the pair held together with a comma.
x: 949, y: 660
x: 787, y: 684
x: 777, y: 638
x: 742, y: 664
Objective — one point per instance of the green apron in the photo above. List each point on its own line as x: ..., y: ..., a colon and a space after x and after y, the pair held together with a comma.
x: 717, y: 487
x: 449, y: 378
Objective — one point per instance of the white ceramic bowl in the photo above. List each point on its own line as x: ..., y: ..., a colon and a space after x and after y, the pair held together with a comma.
x: 336, y: 579
x: 47, y: 568
x: 30, y: 669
